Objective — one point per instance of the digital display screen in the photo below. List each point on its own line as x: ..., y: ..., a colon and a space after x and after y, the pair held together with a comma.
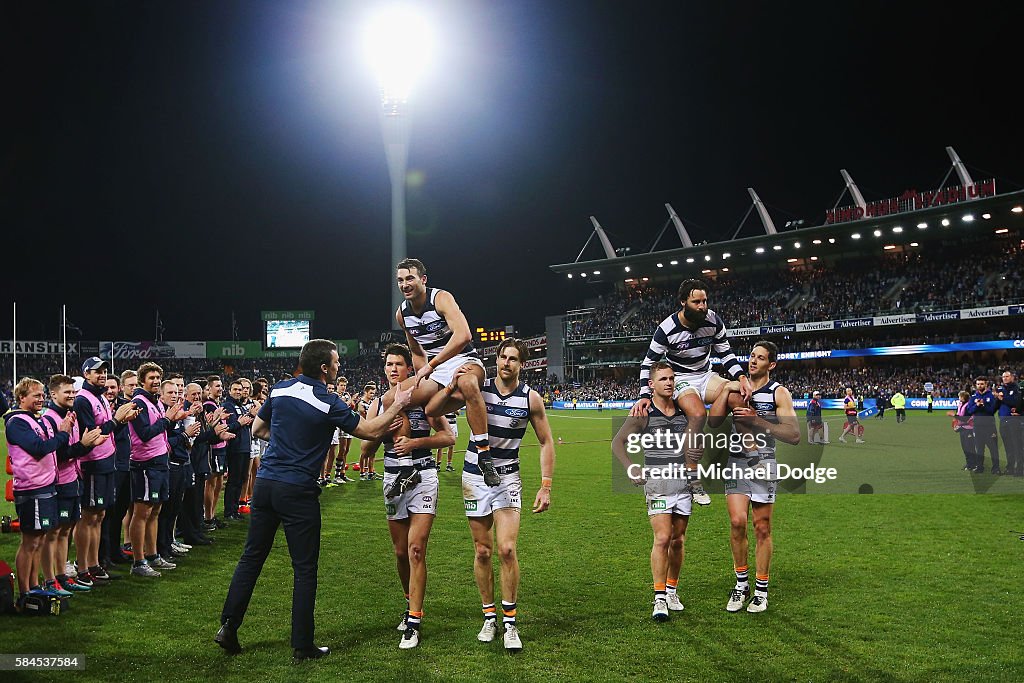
x: 287, y: 334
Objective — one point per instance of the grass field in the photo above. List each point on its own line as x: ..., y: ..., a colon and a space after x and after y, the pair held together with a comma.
x: 864, y: 587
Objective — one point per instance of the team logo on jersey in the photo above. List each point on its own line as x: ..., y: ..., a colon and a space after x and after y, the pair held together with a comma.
x: 390, y: 508
x: 436, y: 326
x: 44, y: 522
x: 657, y: 504
x: 469, y: 504
x: 512, y: 424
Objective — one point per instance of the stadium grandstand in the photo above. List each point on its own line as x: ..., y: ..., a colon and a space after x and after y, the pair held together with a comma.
x: 920, y: 293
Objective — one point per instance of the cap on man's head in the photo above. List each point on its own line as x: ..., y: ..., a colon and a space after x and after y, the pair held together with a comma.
x: 94, y: 363
x: 816, y: 393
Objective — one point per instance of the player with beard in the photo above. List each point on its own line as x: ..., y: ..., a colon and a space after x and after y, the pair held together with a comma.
x: 685, y: 341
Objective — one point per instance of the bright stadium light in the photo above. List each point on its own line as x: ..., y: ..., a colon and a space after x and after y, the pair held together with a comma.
x: 816, y: 242
x: 897, y: 229
x: 597, y: 272
x: 889, y: 246
x: 726, y: 255
x: 777, y: 247
x: 814, y: 258
x: 760, y: 250
x: 792, y: 260
x: 831, y: 240
x: 673, y: 263
x: 796, y: 245
x: 914, y: 244
x: 1002, y: 231
x: 855, y: 235
x: 570, y: 276
x: 627, y: 269
x: 986, y: 216
x: 968, y: 218
x: 583, y: 274
x: 945, y: 222
x: 725, y: 270
x: 1017, y: 209
x: 689, y: 260
x: 707, y: 257
x: 878, y: 233
x: 661, y: 265
x: 922, y: 225
x: 398, y: 45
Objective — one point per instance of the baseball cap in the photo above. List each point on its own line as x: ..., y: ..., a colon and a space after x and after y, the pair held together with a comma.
x: 816, y: 393
x: 94, y: 363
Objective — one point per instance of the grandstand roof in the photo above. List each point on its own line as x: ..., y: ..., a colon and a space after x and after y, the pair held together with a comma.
x: 965, y: 218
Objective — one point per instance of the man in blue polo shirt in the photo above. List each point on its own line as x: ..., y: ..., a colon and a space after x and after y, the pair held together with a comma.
x: 985, y: 407
x: 298, y: 419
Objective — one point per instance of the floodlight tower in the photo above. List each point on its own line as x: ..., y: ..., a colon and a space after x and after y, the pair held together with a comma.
x: 398, y: 43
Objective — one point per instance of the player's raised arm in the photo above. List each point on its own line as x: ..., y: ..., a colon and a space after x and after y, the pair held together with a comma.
x: 732, y: 365
x: 539, y: 420
x: 655, y: 352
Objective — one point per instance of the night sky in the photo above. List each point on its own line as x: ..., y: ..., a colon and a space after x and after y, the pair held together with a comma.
x: 209, y: 157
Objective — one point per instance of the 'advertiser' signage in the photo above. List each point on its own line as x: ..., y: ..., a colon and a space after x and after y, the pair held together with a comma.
x: 778, y: 329
x: 822, y: 325
x: 990, y: 312
x: 745, y: 332
x: 938, y: 316
x: 36, y: 348
x: 904, y: 319
x: 854, y: 322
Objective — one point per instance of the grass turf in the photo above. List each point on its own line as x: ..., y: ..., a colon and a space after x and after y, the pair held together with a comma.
x: 864, y: 587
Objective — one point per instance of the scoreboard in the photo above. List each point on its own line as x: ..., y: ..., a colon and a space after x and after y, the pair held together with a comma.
x: 490, y: 336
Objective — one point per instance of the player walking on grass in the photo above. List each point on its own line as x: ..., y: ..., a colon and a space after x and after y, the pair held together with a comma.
x: 511, y: 404
x: 442, y: 349
x: 685, y: 341
x: 853, y: 424
x: 768, y: 415
x: 410, y: 492
x: 669, y: 501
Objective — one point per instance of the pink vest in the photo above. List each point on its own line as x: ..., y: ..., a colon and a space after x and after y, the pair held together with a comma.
x: 30, y: 473
x: 68, y: 470
x: 155, y: 447
x: 101, y: 413
x: 217, y: 444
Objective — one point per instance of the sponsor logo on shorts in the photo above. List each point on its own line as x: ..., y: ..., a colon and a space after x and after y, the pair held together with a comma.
x: 730, y: 483
x: 657, y: 504
x: 65, y: 513
x: 427, y: 499
x: 44, y: 521
x: 99, y: 501
x: 390, y: 508
x: 682, y: 384
x: 154, y: 496
x: 470, y: 505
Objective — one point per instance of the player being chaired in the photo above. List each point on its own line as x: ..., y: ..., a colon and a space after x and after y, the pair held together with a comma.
x: 441, y: 343
x: 685, y: 340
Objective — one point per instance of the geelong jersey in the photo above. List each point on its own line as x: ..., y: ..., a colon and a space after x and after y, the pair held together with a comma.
x: 453, y: 418
x: 507, y: 417
x: 419, y: 428
x: 689, y: 351
x: 430, y: 329
x: 660, y: 424
x: 763, y: 401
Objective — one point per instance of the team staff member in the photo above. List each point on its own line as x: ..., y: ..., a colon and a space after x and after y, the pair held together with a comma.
x: 669, y: 501
x: 1010, y: 423
x: 510, y: 405
x: 110, y: 536
x: 986, y: 405
x: 770, y: 414
x: 194, y: 500
x: 410, y: 492
x: 899, y: 404
x: 178, y: 469
x: 32, y: 445
x: 98, y: 465
x: 239, y: 423
x: 815, y: 425
x: 69, y: 510
x: 218, y: 454
x: 298, y: 419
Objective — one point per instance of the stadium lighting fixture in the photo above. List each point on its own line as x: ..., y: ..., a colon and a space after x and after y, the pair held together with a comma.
x: 627, y: 269
x: 986, y: 216
x: 922, y: 225
x: 1002, y: 231
x: 661, y: 265
x: 897, y: 229
x: 889, y: 246
x: 814, y: 258
x: 725, y: 270
x: 706, y: 271
x: 726, y: 255
x: 968, y: 218
x: 855, y: 235
x: 1017, y: 209
x: 760, y: 250
x: 914, y: 244
x: 945, y: 222
x: 816, y: 242
x: 398, y: 45
x: 777, y: 247
x: 646, y: 279
x: 878, y: 233
x: 673, y: 263
x: 689, y: 260
x: 570, y: 276
x: 831, y: 240
x: 583, y: 274
x: 792, y: 260
x: 796, y: 245
x: 597, y: 272
x: 707, y: 257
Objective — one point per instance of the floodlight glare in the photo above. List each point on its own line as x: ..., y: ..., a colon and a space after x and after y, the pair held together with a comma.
x: 399, y: 46
x: 627, y: 269
x: 968, y: 218
x: 945, y: 222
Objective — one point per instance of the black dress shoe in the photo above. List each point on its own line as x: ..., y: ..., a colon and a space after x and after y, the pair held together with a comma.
x: 227, y: 638
x: 314, y: 652
x: 198, y: 541
x: 119, y: 559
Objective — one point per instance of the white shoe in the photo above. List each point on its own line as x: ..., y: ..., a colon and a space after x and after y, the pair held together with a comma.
x: 178, y: 548
x: 860, y: 440
x: 512, y: 641
x: 339, y: 480
x: 842, y: 440
x: 674, y: 603
x: 145, y: 570
x: 736, y: 599
x: 759, y: 603
x: 488, y: 632
x: 410, y: 639
x: 186, y: 546
x: 700, y: 496
x: 161, y: 563
x: 403, y: 624
x: 660, y: 612
x: 69, y: 570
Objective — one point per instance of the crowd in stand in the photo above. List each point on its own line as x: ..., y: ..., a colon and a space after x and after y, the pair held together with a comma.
x: 898, y: 283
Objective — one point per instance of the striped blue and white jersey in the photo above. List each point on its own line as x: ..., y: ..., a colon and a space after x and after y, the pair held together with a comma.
x: 763, y: 401
x: 507, y: 418
x: 689, y: 351
x: 430, y: 329
x: 419, y: 428
x: 660, y: 424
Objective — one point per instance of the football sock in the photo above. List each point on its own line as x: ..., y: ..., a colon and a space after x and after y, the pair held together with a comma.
x: 742, y: 581
x: 413, y: 621
x: 490, y: 612
x: 670, y: 586
x: 659, y: 590
x: 761, y: 584
x: 508, y: 612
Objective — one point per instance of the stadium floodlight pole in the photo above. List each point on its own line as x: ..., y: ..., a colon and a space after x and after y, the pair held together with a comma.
x: 398, y: 44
